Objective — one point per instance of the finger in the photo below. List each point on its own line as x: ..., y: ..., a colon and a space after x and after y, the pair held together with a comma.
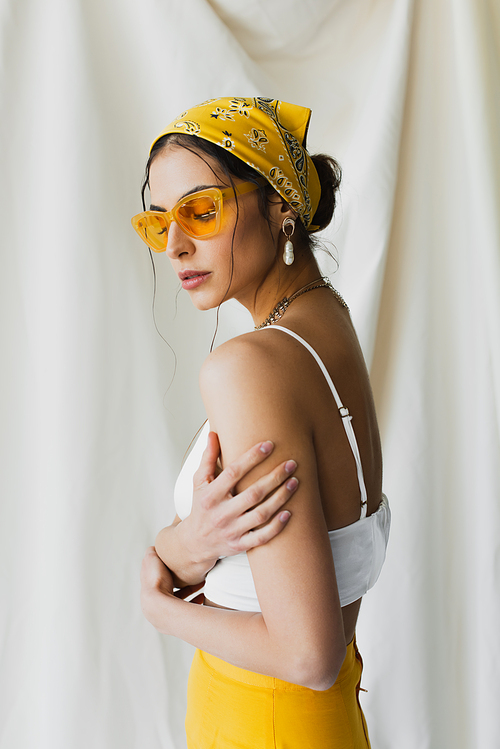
x: 265, y: 511
x: 188, y: 590
x: 208, y: 465
x: 235, y: 471
x: 264, y: 486
x: 266, y: 533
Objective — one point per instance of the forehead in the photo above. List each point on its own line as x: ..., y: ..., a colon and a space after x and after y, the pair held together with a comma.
x: 177, y: 171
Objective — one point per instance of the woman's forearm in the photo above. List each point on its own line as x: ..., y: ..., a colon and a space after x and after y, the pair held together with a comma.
x: 188, y: 566
x: 239, y: 637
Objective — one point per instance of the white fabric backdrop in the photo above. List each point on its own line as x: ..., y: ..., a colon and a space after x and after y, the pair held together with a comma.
x: 406, y: 94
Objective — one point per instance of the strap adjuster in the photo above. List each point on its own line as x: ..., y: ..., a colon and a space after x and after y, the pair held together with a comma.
x: 344, y: 412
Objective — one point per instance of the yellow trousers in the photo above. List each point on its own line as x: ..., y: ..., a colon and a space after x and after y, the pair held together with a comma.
x: 230, y: 708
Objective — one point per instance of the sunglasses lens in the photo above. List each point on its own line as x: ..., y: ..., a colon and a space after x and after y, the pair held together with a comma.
x: 198, y: 215
x: 153, y: 229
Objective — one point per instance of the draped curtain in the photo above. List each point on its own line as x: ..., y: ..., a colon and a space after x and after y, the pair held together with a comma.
x: 97, y: 410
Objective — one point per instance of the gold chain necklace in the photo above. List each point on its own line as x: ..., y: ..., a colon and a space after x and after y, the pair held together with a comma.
x: 282, y: 306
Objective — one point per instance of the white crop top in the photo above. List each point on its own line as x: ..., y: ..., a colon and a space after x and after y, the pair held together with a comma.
x: 358, y: 549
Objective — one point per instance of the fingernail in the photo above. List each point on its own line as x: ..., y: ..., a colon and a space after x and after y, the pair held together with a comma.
x: 290, y: 466
x: 292, y: 484
x: 284, y: 516
x: 266, y: 447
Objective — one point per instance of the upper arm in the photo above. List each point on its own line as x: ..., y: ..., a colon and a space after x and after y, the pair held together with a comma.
x: 250, y: 397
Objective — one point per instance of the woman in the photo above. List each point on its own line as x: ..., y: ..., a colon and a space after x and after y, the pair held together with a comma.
x: 235, y: 199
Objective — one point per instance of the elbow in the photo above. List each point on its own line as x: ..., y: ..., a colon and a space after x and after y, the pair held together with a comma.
x: 319, y: 671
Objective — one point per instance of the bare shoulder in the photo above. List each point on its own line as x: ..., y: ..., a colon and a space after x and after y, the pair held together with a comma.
x: 250, y: 394
x: 242, y: 360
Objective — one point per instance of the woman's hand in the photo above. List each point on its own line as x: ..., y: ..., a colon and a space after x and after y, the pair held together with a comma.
x: 155, y: 575
x: 222, y: 523
x: 157, y: 583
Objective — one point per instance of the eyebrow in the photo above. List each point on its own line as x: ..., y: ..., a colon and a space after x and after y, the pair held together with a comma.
x: 189, y: 192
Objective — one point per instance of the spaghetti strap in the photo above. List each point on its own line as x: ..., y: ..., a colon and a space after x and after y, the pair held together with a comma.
x: 344, y: 413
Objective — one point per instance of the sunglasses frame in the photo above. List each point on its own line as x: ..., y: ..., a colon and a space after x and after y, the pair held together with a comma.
x: 219, y: 195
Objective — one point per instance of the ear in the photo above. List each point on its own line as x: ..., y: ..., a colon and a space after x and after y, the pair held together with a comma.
x: 279, y: 209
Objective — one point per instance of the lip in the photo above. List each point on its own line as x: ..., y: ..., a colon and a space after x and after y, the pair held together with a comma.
x: 190, y: 279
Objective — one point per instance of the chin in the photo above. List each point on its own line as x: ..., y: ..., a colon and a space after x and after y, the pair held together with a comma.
x: 204, y: 302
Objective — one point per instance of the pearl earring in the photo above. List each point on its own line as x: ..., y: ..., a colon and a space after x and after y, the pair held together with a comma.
x: 288, y: 255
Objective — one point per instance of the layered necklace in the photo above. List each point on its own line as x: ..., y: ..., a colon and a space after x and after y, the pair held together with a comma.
x: 283, y: 305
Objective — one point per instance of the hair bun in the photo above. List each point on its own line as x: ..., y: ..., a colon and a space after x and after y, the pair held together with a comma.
x: 330, y: 175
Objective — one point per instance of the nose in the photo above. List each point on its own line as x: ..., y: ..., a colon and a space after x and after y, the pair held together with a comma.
x: 178, y: 243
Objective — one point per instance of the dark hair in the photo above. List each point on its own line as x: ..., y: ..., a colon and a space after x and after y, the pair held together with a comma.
x: 328, y: 169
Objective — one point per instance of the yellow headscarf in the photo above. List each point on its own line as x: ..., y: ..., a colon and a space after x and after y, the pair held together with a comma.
x: 268, y: 135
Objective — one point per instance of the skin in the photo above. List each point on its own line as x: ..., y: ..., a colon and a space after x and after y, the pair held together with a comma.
x: 220, y: 523
x: 253, y: 389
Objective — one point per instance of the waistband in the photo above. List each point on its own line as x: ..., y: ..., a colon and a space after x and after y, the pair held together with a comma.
x: 227, y: 670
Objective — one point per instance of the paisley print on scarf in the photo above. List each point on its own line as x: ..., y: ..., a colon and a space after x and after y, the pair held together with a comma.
x: 262, y: 132
x: 240, y: 106
x: 190, y: 127
x: 257, y: 138
x: 227, y: 142
x: 221, y: 114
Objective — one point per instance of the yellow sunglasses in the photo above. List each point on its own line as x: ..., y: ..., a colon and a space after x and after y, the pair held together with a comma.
x: 199, y: 215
